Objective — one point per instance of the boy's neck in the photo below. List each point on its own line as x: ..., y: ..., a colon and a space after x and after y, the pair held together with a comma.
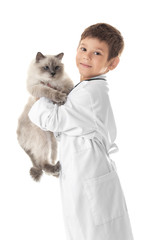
x: 83, y: 79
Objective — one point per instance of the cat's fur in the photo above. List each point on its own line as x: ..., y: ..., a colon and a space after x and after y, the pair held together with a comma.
x: 46, y: 78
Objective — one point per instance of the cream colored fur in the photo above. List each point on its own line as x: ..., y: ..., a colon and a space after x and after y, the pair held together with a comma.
x: 41, y: 146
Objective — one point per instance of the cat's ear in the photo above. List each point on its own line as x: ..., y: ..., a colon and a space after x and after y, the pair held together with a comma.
x: 60, y: 56
x: 39, y: 56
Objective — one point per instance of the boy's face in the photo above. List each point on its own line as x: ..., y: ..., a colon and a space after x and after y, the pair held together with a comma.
x: 91, y: 58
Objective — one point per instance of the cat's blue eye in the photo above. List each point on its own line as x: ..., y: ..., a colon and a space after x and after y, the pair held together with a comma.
x: 46, y: 67
x: 57, y: 67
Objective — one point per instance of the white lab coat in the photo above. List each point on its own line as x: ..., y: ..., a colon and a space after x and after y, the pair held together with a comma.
x: 94, y: 207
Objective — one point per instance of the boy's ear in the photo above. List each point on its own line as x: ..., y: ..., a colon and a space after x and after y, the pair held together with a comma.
x: 114, y: 62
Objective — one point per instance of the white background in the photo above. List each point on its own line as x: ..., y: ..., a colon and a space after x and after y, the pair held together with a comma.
x: 30, y: 210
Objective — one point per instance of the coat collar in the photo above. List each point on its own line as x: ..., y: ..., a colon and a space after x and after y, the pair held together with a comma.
x: 99, y: 77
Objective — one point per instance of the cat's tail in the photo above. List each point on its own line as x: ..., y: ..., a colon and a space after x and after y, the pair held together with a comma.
x: 36, y: 173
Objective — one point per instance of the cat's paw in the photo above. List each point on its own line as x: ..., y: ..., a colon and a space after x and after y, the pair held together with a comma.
x: 36, y: 173
x: 60, y: 97
x: 57, y: 169
x: 52, y: 169
x: 56, y: 175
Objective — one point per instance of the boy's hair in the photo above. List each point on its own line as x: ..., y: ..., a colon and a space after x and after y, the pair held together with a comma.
x: 107, y: 33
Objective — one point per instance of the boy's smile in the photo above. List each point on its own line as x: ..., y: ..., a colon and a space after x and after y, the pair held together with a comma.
x: 91, y: 58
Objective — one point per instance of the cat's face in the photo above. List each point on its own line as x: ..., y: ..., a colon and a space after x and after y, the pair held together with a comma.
x: 50, y: 67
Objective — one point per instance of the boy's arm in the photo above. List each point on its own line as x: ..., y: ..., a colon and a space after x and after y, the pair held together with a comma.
x: 74, y: 118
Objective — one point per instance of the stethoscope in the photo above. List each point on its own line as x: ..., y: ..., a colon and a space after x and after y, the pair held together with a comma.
x: 91, y: 79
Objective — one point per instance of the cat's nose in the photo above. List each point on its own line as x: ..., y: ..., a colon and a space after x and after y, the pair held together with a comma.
x: 52, y: 73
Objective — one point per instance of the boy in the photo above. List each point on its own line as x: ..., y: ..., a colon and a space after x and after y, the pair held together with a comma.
x: 93, y: 202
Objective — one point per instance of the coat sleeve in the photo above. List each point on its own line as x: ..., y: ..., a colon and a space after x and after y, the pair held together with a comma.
x: 74, y: 118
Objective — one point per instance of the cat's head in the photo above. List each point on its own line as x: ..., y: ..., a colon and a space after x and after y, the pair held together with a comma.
x: 49, y: 66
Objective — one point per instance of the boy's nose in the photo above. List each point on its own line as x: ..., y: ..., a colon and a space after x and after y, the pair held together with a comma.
x: 86, y: 56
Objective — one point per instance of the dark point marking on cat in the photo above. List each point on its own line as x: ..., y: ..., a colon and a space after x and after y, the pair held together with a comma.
x: 59, y: 56
x: 36, y: 173
x: 52, y: 168
x: 39, y: 56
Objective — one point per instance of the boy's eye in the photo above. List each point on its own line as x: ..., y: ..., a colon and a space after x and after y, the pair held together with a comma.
x: 97, y: 53
x: 83, y: 49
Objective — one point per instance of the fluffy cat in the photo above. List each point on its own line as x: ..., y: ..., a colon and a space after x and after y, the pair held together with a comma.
x: 46, y: 78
